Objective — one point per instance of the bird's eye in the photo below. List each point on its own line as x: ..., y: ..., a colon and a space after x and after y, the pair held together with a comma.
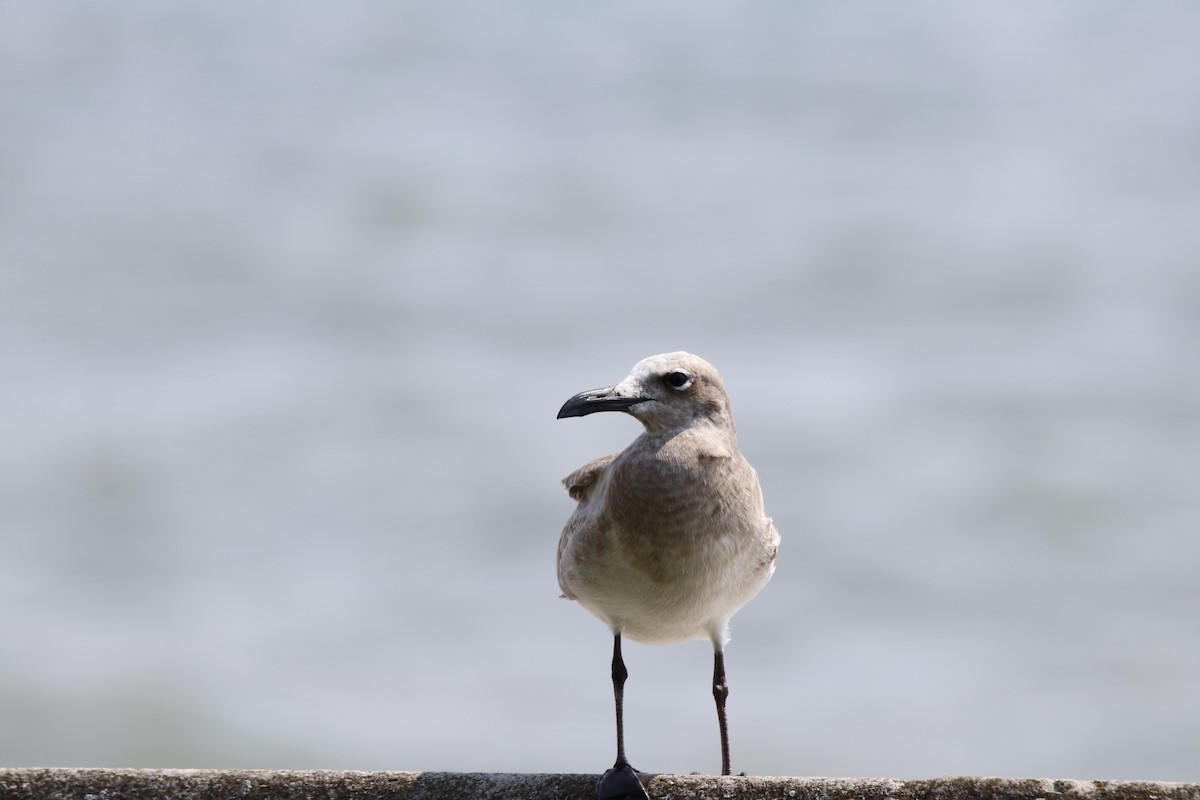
x: 678, y: 379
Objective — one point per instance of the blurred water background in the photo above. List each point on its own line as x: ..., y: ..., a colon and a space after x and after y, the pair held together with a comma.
x: 290, y: 295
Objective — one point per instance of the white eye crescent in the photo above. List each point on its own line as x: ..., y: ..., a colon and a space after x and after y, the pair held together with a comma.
x: 678, y: 379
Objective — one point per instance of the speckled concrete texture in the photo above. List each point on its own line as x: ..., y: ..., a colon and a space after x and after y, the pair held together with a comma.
x: 134, y: 784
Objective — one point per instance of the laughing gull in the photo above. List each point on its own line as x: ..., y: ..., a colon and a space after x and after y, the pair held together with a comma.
x: 669, y: 538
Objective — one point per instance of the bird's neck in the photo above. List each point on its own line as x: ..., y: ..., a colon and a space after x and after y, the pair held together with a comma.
x: 701, y: 438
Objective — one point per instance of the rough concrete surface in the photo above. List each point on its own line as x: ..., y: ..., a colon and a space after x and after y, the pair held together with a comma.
x: 203, y: 784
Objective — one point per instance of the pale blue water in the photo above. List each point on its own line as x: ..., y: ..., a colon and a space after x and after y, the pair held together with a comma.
x: 289, y: 297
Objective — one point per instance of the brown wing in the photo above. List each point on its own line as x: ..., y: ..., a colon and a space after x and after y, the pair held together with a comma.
x: 582, y: 479
x: 579, y: 485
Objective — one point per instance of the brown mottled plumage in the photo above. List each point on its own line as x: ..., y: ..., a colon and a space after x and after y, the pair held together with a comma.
x: 669, y: 538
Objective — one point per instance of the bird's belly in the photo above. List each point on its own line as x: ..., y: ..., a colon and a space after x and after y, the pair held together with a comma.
x: 670, y: 594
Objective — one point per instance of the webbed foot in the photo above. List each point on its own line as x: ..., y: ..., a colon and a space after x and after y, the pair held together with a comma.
x: 621, y: 781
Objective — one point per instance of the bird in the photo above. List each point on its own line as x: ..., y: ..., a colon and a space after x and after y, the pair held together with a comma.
x: 669, y: 537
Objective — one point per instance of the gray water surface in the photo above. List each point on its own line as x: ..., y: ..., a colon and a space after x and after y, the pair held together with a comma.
x: 290, y: 295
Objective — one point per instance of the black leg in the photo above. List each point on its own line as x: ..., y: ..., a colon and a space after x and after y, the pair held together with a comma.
x: 622, y: 780
x: 619, y: 674
x: 720, y: 692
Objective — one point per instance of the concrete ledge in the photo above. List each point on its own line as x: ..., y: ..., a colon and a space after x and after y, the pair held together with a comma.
x: 202, y: 784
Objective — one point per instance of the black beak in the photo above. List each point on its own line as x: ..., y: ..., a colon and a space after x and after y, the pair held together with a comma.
x: 594, y: 400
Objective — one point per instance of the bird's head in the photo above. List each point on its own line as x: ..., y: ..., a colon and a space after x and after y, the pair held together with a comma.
x: 671, y: 391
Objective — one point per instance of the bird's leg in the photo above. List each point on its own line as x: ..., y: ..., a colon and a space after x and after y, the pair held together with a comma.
x: 720, y: 692
x: 619, y: 674
x: 622, y: 780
